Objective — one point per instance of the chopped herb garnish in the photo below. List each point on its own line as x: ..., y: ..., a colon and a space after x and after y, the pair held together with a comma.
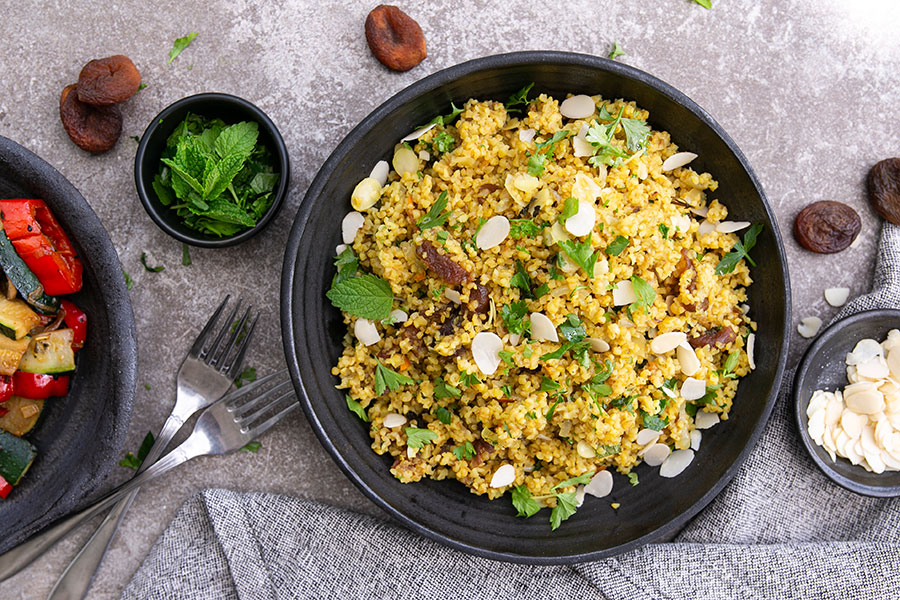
x: 525, y: 505
x: 637, y: 132
x: 520, y: 98
x: 347, y: 264
x: 251, y: 447
x: 443, y: 415
x: 552, y: 408
x: 506, y: 357
x: 548, y: 385
x: 442, y: 390
x: 385, y: 378
x: 543, y: 150
x: 633, y: 478
x: 730, y: 364
x: 569, y: 210
x: 134, y: 462
x: 704, y: 3
x: 248, y: 375
x: 435, y: 217
x: 521, y: 280
x: 531, y: 415
x: 654, y: 422
x: 566, y: 505
x: 185, y: 255
x: 520, y: 228
x: 464, y: 452
x: 443, y: 142
x: 572, y: 329
x: 179, y: 45
x: 644, y: 292
x: 664, y: 231
x: 129, y: 282
x: 623, y: 402
x: 617, y: 245
x: 616, y: 51
x: 469, y: 379
x: 446, y: 119
x: 356, y: 408
x: 417, y: 437
x: 740, y: 250
x: 608, y: 450
x: 581, y: 253
x: 515, y: 318
x: 583, y: 479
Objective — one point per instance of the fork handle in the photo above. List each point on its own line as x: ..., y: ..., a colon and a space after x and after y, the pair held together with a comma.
x: 14, y: 560
x: 76, y: 580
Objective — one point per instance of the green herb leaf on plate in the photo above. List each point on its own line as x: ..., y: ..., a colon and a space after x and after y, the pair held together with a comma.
x: 464, y: 452
x: 522, y: 500
x: 179, y: 45
x: 356, y: 408
x: 616, y: 51
x: 616, y: 246
x: 633, y: 478
x: 583, y: 479
x: 740, y: 250
x: 387, y: 379
x: 252, y: 447
x: 368, y: 296
x: 566, y: 505
x: 134, y: 462
x: 417, y: 437
x: 645, y: 293
x: 435, y: 216
x: 443, y: 415
x: 442, y: 389
x: 581, y: 253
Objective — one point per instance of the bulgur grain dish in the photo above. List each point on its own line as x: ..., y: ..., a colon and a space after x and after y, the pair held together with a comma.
x: 538, y: 293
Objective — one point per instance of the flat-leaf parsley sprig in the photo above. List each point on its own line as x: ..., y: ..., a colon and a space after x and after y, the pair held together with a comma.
x: 740, y: 250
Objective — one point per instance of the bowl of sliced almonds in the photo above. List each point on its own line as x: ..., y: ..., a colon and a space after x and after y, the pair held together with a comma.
x: 847, y: 402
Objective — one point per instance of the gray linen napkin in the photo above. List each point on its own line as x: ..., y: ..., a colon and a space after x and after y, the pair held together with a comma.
x: 781, y: 529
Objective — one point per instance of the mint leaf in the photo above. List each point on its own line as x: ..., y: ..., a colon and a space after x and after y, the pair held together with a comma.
x: 369, y: 297
x: 179, y: 45
x: 572, y: 329
x: 347, y: 264
x: 219, y: 177
x: 356, y: 408
x: 417, y: 438
x: 566, y: 505
x: 617, y: 245
x: 237, y: 140
x: 386, y: 378
x: 464, y: 452
x: 446, y: 119
x: 608, y: 450
x: 548, y: 385
x: 247, y: 375
x: 654, y: 422
x: 525, y: 505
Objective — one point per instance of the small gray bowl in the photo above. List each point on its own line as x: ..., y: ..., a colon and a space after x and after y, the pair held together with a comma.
x: 823, y: 368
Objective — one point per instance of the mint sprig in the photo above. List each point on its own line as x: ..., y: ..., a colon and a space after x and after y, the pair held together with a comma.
x: 369, y: 297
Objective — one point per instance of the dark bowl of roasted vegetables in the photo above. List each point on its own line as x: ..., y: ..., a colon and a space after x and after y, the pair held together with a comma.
x: 68, y: 350
x: 212, y: 170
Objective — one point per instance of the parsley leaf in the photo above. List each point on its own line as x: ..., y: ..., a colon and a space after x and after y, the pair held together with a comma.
x: 469, y: 379
x: 435, y: 217
x: 520, y: 98
x: 134, y: 462
x: 633, y: 478
x: 637, y: 132
x: 572, y: 329
x: 552, y: 408
x: 582, y: 479
x: 386, y: 378
x: 248, y: 375
x: 464, y: 452
x: 525, y: 505
x: 129, y: 282
x: 251, y: 447
x: 185, y: 255
x: 179, y: 45
x: 522, y: 280
x: 654, y: 422
x: 446, y: 119
x: 664, y: 231
x: 148, y: 268
x: 581, y: 253
x: 443, y: 142
x: 520, y: 228
x: 740, y: 250
x: 514, y: 318
x: 644, y: 292
x: 417, y: 437
x: 356, y: 408
x: 704, y: 3
x: 566, y: 505
x: 616, y: 51
x: 543, y: 151
x: 442, y: 390
x: 548, y: 385
x: 608, y: 450
x: 617, y: 245
x: 443, y: 415
x: 569, y: 210
x: 369, y: 297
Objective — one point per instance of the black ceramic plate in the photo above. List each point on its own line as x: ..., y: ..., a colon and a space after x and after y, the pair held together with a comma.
x: 79, y: 437
x: 445, y: 510
x: 823, y: 368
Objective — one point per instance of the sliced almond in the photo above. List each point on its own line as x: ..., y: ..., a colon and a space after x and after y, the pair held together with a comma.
x: 866, y: 403
x: 598, y: 345
x: 646, y: 436
x: 418, y: 133
x: 706, y: 227
x: 486, y: 347
x: 700, y: 211
x: 837, y: 296
x: 623, y: 293
x: 405, y: 161
x: 677, y: 160
x: 809, y: 326
x: 600, y: 485
x: 366, y: 194
x: 656, y: 454
x: 667, y: 342
x: 351, y: 224
x: 681, y: 223
x: 542, y: 328
x: 874, y: 369
x: 339, y: 249
x: 731, y: 226
x: 577, y: 107
x: 705, y: 420
x: 452, y: 295
x: 526, y: 135
x: 393, y: 420
x: 687, y: 359
x: 693, y: 389
x: 582, y: 147
x: 584, y: 450
x: 751, y: 346
x: 582, y: 222
x: 380, y: 172
x: 696, y: 438
x: 366, y: 332
x: 676, y: 463
x: 503, y: 476
x: 493, y: 233
x: 864, y: 350
x: 893, y: 363
x: 398, y: 316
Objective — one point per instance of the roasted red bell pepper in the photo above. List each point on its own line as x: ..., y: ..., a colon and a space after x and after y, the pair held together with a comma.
x: 6, y: 388
x: 41, y: 242
x: 75, y: 320
x: 5, y: 488
x: 39, y: 386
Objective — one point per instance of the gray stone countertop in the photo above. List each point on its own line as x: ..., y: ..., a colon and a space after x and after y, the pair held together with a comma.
x: 807, y: 89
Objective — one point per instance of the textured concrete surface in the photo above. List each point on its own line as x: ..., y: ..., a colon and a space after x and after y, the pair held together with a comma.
x: 807, y: 88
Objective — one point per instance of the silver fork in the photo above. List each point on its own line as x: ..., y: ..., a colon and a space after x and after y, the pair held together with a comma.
x: 228, y: 425
x: 206, y: 373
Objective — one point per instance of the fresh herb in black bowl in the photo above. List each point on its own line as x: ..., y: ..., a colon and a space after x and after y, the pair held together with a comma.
x: 211, y: 170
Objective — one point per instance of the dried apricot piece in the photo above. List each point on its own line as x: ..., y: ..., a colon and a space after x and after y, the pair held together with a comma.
x: 826, y: 226
x: 884, y: 189
x: 92, y: 128
x: 106, y: 81
x: 395, y: 38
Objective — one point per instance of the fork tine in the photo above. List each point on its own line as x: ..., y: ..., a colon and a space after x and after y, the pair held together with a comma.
x: 194, y: 352
x: 210, y: 352
x: 257, y: 430
x: 241, y: 412
x: 218, y: 357
x: 231, y: 369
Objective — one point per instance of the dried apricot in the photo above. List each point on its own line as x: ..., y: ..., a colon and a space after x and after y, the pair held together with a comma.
x: 108, y: 80
x: 884, y: 189
x: 395, y: 38
x: 826, y: 226
x: 92, y: 128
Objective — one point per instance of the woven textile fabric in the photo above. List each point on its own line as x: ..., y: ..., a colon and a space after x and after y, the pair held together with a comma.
x: 779, y: 530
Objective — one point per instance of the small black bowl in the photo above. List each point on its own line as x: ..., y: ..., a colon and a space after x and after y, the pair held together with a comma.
x: 230, y: 109
x: 313, y: 330
x: 823, y: 368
